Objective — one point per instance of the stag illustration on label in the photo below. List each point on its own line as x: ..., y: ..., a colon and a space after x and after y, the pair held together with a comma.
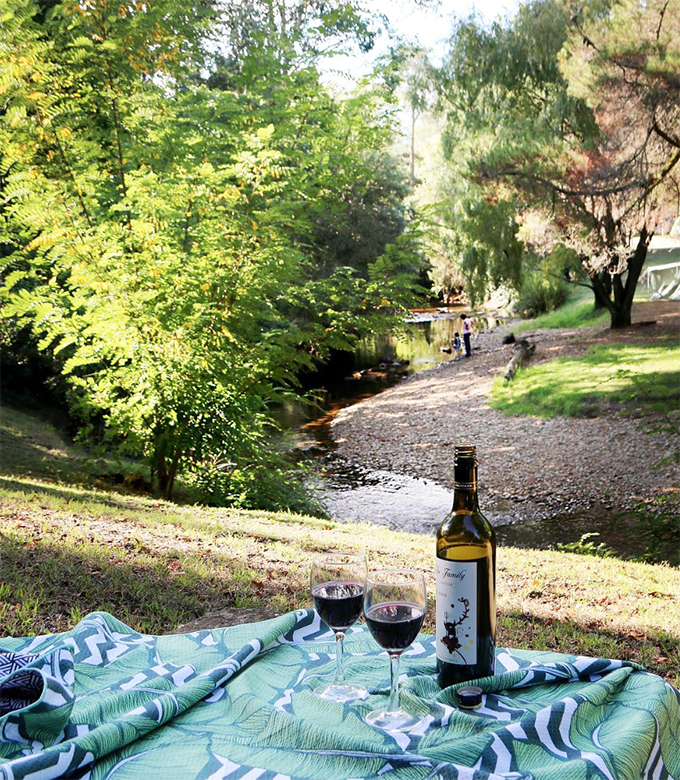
x: 451, y: 640
x: 457, y: 611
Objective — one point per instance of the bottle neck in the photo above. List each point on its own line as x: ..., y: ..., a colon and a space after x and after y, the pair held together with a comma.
x: 465, y: 484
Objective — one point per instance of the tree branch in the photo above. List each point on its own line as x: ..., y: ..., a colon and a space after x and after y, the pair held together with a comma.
x: 661, y: 15
x: 584, y: 193
x: 67, y: 166
x: 666, y: 136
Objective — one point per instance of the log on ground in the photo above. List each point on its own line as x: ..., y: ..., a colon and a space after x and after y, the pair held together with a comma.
x: 522, y: 351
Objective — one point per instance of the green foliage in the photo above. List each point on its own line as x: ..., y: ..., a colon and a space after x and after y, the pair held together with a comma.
x: 657, y: 524
x: 474, y: 239
x: 544, y: 287
x: 163, y: 232
x: 492, y: 253
x: 504, y: 100
x: 570, y: 112
x: 540, y: 293
x: 586, y: 546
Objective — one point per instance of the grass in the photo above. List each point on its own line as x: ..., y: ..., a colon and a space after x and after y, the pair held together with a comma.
x: 577, y: 312
x: 67, y: 549
x: 639, y: 379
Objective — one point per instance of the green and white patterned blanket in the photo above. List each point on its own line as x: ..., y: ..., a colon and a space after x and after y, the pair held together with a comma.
x: 102, y: 701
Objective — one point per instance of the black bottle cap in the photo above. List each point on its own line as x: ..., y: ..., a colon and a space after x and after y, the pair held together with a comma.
x: 469, y: 697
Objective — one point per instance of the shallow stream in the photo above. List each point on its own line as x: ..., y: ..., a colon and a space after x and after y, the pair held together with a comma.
x: 354, y: 493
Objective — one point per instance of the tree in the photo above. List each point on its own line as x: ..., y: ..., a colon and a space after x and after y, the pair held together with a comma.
x: 159, y: 220
x: 623, y: 60
x: 575, y: 111
x: 416, y: 90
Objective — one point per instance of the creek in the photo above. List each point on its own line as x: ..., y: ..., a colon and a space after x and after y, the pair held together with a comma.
x: 359, y: 494
x: 349, y: 492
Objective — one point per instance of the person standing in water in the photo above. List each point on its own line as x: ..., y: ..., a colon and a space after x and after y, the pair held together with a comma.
x: 467, y: 332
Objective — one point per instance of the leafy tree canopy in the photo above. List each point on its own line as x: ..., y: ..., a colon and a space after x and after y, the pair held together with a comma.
x: 167, y: 200
x: 571, y: 110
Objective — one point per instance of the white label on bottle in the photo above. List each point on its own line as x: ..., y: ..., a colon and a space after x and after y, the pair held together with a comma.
x: 456, y: 604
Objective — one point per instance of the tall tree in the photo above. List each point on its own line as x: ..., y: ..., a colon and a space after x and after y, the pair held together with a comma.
x: 162, y: 242
x: 623, y: 59
x: 574, y: 111
x: 416, y: 90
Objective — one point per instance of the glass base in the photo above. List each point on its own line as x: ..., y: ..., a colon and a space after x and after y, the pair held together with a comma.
x: 341, y: 692
x: 395, y: 720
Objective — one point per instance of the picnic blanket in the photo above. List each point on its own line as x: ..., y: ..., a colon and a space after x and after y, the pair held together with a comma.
x: 103, y: 701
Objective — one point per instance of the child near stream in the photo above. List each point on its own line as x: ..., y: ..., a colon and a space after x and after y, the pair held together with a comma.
x: 467, y: 333
x: 457, y: 346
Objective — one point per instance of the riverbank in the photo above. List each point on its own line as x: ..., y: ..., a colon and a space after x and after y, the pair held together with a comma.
x: 68, y: 549
x: 532, y: 469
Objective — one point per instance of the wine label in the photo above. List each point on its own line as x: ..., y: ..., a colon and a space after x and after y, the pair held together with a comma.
x: 456, y: 607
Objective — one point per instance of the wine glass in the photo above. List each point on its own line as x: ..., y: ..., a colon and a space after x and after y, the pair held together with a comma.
x: 395, y: 603
x: 337, y: 585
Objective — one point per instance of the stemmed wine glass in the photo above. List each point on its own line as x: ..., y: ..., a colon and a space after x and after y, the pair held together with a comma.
x: 395, y: 603
x: 337, y: 584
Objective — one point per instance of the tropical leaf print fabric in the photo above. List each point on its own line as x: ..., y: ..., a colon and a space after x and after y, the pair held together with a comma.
x: 103, y: 701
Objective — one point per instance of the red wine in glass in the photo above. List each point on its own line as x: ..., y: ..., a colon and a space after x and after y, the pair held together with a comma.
x: 395, y: 603
x: 339, y: 604
x: 337, y: 586
x: 394, y: 626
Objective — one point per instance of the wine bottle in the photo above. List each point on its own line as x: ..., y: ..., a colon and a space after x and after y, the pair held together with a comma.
x: 466, y: 581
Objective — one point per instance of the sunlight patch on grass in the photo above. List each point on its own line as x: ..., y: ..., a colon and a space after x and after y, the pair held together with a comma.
x: 577, y: 312
x: 641, y: 379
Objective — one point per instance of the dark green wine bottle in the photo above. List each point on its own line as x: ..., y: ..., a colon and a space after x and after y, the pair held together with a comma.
x: 466, y: 581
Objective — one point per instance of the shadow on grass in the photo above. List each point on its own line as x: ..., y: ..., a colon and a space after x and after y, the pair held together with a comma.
x: 23, y: 454
x: 32, y: 447
x: 48, y: 586
x: 655, y: 649
x: 78, y: 493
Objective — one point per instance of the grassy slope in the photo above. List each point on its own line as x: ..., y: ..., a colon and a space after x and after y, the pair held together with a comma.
x: 67, y: 549
x: 577, y: 312
x: 622, y: 376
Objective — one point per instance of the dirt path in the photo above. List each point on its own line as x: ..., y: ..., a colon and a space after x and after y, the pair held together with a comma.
x: 529, y: 467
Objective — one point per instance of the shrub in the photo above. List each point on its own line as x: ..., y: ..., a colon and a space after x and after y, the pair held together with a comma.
x: 541, y: 292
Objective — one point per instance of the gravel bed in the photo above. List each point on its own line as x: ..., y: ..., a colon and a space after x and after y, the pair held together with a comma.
x: 530, y: 468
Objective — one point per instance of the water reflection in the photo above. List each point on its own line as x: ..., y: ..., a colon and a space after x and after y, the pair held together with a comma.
x: 379, y: 362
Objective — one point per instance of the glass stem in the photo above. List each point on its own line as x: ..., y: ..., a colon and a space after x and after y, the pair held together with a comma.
x: 394, y: 706
x: 339, y: 658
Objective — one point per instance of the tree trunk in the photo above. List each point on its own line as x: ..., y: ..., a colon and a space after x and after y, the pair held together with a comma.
x: 171, y: 475
x: 620, y: 318
x: 621, y: 311
x: 603, y: 290
x: 611, y: 292
x: 161, y: 469
x: 412, y: 172
x: 159, y: 460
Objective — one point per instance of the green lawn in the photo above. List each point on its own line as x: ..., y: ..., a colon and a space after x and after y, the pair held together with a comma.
x: 67, y: 549
x: 621, y: 377
x: 577, y: 312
